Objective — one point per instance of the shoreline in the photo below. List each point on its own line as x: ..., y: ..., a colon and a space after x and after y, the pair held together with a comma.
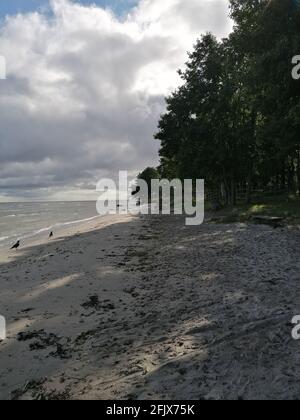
x: 66, y: 230
x: 19, y: 222
x: 148, y: 308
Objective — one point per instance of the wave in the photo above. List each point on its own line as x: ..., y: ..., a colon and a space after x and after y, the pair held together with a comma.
x: 28, y: 214
x: 9, y: 216
x: 3, y: 238
x: 57, y: 226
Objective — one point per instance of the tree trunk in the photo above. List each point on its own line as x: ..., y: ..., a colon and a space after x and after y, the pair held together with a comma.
x: 298, y: 172
x: 249, y: 189
x: 233, y: 193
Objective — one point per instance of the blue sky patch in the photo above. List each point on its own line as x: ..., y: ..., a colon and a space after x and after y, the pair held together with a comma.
x: 11, y: 7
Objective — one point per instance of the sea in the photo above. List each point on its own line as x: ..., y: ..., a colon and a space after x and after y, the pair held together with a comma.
x: 26, y: 221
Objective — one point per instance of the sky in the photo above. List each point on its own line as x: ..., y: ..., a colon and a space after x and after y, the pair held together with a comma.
x: 85, y: 88
x: 11, y: 7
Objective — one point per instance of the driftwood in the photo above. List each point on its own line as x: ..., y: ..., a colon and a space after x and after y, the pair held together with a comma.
x: 267, y: 220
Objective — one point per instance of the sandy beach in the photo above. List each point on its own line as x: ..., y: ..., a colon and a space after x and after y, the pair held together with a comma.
x: 147, y: 308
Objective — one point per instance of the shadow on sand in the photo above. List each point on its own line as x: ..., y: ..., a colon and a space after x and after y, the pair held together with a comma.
x: 151, y: 309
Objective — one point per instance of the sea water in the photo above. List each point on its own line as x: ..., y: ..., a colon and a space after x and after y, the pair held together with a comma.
x: 23, y: 221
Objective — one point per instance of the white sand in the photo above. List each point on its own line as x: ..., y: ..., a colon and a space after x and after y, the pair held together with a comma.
x: 147, y: 308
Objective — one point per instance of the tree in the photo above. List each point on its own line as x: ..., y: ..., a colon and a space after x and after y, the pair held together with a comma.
x: 148, y: 175
x: 235, y: 119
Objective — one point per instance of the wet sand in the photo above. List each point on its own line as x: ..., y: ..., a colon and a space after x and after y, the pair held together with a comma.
x: 147, y: 308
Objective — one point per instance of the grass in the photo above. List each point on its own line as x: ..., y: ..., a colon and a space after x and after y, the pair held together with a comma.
x: 287, y: 206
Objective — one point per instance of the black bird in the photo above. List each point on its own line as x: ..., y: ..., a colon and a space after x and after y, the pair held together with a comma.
x: 51, y: 235
x: 16, y: 246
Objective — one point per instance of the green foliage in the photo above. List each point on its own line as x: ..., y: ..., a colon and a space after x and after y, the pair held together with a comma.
x: 286, y: 206
x: 148, y: 174
x: 235, y: 120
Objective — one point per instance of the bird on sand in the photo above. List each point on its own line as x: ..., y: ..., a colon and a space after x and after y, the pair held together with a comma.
x: 51, y: 235
x: 16, y: 246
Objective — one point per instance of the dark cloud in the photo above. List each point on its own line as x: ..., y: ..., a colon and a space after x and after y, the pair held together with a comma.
x: 85, y: 90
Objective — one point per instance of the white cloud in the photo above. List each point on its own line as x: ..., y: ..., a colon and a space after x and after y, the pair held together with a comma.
x: 85, y: 89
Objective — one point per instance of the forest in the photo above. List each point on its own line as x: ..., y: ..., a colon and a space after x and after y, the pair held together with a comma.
x: 235, y: 120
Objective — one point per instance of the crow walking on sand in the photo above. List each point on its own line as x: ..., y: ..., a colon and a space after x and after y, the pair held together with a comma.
x: 16, y: 246
x: 51, y: 235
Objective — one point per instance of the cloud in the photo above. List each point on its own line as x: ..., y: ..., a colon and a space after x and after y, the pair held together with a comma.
x: 85, y: 89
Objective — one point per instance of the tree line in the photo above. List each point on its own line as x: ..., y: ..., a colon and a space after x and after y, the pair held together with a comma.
x: 235, y: 120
